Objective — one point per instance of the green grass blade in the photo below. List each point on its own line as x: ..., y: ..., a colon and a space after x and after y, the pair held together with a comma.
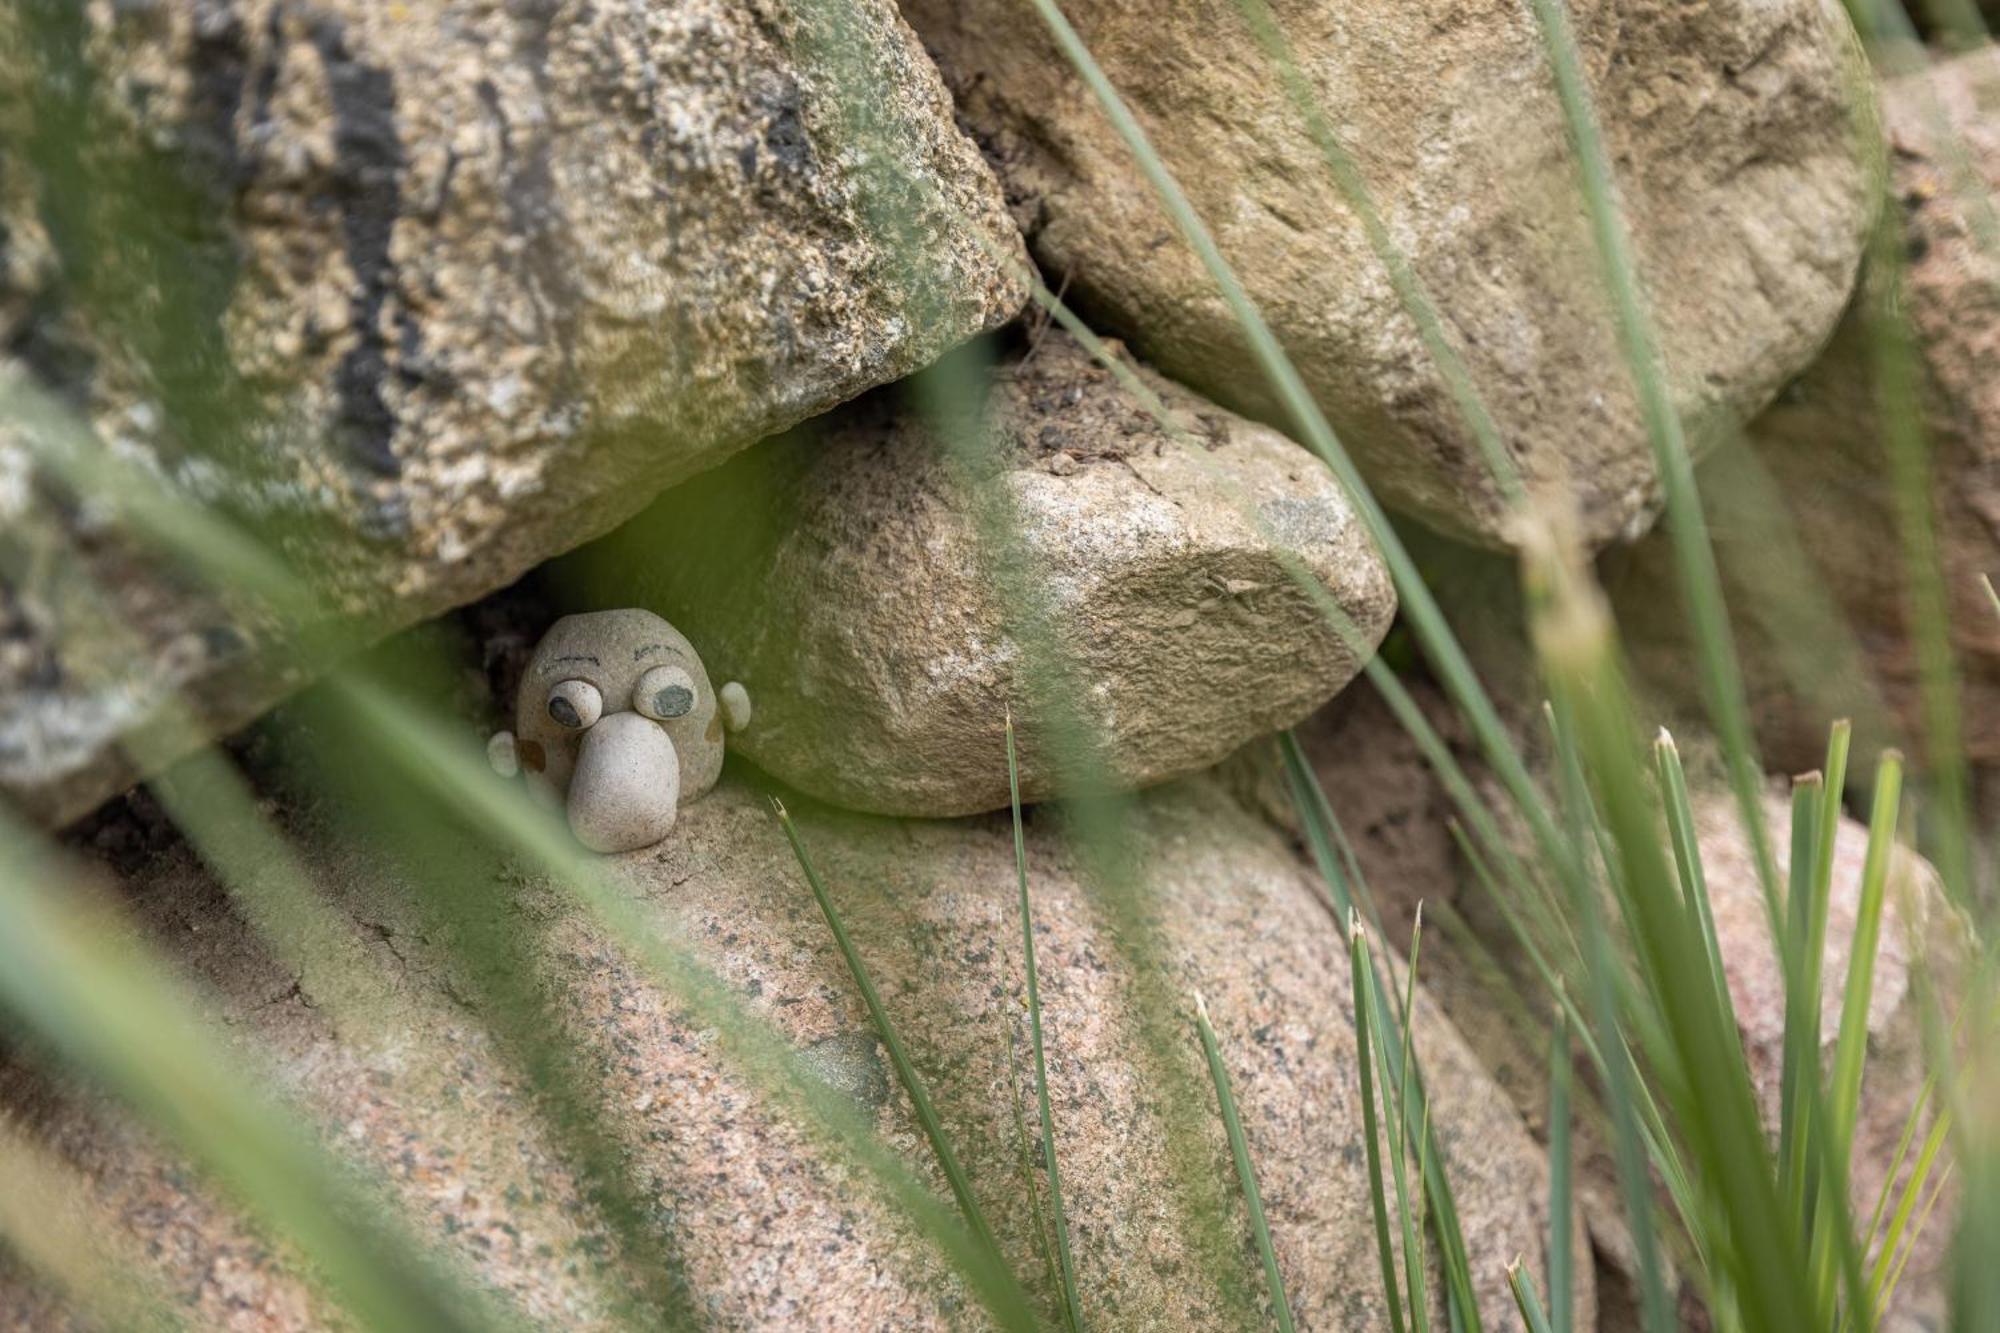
x: 1708, y: 1080
x: 1561, y: 1202
x: 1526, y: 1298
x: 1415, y: 1291
x: 1801, y: 1031
x: 1836, y: 1256
x: 1246, y: 1176
x: 1887, y: 1292
x: 1324, y: 834
x: 1687, y: 858
x: 1363, y: 969
x: 114, y: 1011
x: 1896, y: 1159
x: 906, y: 1071
x: 1316, y: 821
x: 1701, y: 582
x: 1804, y: 988
x: 1072, y: 1304
x: 1880, y: 1284
x: 1851, y: 1049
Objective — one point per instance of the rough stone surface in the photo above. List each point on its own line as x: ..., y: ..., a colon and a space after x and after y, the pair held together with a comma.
x: 855, y: 579
x: 770, y: 1230
x: 1395, y: 813
x: 428, y: 292
x: 1835, y: 638
x: 1732, y: 127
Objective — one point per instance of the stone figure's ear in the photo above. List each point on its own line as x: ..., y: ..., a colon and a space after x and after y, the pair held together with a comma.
x: 501, y: 754
x: 735, y: 701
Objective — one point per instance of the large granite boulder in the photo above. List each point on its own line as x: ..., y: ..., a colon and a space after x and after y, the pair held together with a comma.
x: 427, y: 293
x: 764, y: 1227
x: 1805, y: 521
x: 887, y: 601
x: 1733, y: 127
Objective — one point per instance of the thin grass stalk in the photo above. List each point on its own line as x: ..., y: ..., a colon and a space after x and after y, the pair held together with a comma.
x: 1629, y: 1148
x: 1802, y: 1045
x: 1940, y: 1126
x: 1687, y: 858
x: 1975, y: 1278
x: 906, y: 1071
x: 1887, y: 1292
x: 1648, y: 1120
x: 1411, y: 717
x: 1246, y: 1175
x: 1323, y: 833
x: 1362, y: 968
x: 1851, y: 1049
x: 1701, y: 582
x: 1561, y: 1297
x: 1643, y: 1032
x: 1578, y: 811
x: 1709, y: 1083
x: 1299, y: 776
x: 1898, y: 1235
x: 1024, y: 1160
x: 1834, y: 1231
x: 1415, y: 1292
x: 1315, y: 821
x: 1802, y: 1024
x: 1838, y: 743
x: 1526, y: 1298
x: 1072, y: 1304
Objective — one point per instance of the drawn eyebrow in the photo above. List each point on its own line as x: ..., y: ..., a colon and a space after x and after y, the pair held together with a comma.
x: 578, y: 657
x: 643, y: 649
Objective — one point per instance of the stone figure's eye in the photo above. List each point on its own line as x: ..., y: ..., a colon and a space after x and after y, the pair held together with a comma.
x: 575, y: 704
x: 664, y: 692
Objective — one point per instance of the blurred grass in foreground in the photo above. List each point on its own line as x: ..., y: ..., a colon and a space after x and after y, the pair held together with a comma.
x: 1607, y: 899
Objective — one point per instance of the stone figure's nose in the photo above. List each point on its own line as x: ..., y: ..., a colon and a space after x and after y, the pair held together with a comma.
x: 626, y: 786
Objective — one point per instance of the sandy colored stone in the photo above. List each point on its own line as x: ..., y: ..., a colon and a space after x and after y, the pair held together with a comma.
x: 1731, y: 125
x: 1817, y: 477
x: 849, y: 575
x: 769, y: 1230
x: 427, y: 292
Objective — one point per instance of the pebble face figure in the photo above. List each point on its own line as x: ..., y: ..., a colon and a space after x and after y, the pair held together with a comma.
x: 617, y: 724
